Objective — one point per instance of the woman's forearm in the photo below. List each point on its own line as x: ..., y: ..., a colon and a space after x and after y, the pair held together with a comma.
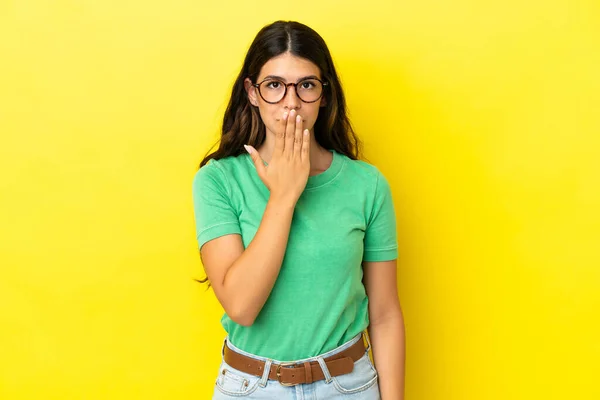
x: 262, y: 259
x: 388, y: 343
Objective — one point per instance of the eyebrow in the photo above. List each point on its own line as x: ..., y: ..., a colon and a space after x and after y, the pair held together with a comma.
x: 280, y: 78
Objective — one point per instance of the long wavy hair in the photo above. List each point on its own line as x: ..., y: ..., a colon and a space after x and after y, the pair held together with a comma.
x: 242, y: 123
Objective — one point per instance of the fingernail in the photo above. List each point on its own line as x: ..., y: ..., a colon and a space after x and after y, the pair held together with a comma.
x: 298, y: 118
x: 285, y: 115
x: 248, y: 149
x: 305, y: 132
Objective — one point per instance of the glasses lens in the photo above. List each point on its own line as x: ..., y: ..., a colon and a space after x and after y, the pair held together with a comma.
x: 309, y: 90
x: 272, y: 90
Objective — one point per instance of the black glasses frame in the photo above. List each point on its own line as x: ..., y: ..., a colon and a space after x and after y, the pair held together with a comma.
x: 285, y: 88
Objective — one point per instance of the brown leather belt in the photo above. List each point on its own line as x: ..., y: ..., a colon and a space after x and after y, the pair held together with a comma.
x: 291, y: 374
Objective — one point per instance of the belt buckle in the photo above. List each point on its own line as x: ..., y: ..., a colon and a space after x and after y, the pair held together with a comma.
x: 278, y: 372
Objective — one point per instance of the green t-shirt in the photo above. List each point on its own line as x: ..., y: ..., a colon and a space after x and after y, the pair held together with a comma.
x: 344, y: 216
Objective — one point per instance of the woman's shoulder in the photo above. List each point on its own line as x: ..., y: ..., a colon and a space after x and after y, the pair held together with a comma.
x: 217, y: 170
x: 223, y: 165
x: 361, y: 169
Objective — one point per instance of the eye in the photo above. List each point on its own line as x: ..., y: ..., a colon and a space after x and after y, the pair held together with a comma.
x: 307, y: 85
x: 274, y: 85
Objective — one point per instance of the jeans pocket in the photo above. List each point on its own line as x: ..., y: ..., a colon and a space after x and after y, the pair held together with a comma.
x: 363, y: 376
x: 233, y: 382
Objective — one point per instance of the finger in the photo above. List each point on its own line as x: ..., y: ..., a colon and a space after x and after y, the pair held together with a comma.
x: 298, y: 137
x: 257, y: 160
x: 280, y: 134
x: 305, y: 146
x: 289, y: 134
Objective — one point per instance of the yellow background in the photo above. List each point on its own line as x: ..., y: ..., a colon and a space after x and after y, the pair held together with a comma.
x: 484, y: 116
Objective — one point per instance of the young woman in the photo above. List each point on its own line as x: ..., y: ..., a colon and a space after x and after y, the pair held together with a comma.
x: 298, y: 236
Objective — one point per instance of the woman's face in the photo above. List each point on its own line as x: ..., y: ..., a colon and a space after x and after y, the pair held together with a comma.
x: 287, y: 69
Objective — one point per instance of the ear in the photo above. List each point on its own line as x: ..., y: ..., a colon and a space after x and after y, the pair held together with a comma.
x: 251, y: 90
x: 323, y: 102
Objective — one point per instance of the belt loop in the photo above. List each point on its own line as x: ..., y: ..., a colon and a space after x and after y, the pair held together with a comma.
x: 265, y: 376
x: 366, y: 335
x: 325, y: 369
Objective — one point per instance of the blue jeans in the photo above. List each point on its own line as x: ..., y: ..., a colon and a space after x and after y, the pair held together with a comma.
x: 360, y: 384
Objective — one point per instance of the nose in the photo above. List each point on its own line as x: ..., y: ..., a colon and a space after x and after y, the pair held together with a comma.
x: 291, y: 99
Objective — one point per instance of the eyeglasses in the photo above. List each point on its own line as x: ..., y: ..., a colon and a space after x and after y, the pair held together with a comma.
x: 273, y: 90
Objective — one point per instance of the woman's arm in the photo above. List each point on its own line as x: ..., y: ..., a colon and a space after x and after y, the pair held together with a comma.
x: 386, y: 329
x: 243, y: 279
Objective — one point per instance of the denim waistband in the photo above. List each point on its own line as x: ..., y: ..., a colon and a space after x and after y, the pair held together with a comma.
x: 338, y: 349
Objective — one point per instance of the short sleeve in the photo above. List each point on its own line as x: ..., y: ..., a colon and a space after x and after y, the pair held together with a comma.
x: 380, y: 242
x: 213, y: 212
